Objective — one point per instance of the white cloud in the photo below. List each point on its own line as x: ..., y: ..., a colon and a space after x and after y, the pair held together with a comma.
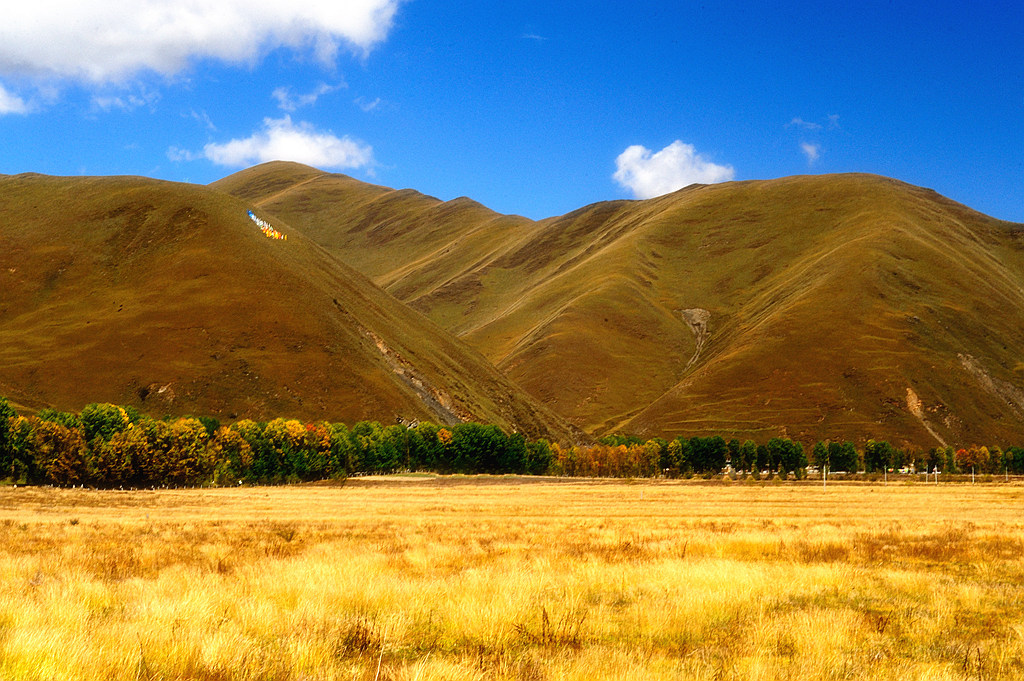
x: 203, y: 118
x: 286, y: 101
x: 649, y: 174
x: 367, y: 106
x: 124, y: 102
x: 177, y: 154
x: 806, y: 125
x: 112, y: 41
x: 11, y: 103
x: 811, y: 151
x: 282, y: 140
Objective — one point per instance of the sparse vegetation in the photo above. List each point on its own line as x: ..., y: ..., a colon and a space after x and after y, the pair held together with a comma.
x: 508, y: 578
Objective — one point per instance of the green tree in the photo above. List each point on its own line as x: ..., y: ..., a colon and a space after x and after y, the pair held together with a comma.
x: 209, y: 423
x: 679, y: 461
x: 7, y: 414
x: 21, y: 442
x: 231, y: 457
x: 618, y: 439
x: 763, y: 460
x: 318, y: 447
x: 64, y: 418
x: 397, y: 444
x: 733, y: 456
x: 265, y: 464
x: 708, y: 454
x: 844, y: 457
x: 776, y: 447
x: 949, y: 461
x: 820, y: 454
x: 796, y: 460
x: 374, y: 453
x: 878, y: 456
x: 102, y: 421
x: 1015, y: 459
x: 478, y: 448
x: 429, y: 453
x: 748, y: 455
x: 515, y: 457
x: 538, y: 457
x: 343, y: 457
x: 654, y: 452
x: 290, y: 452
x: 787, y: 456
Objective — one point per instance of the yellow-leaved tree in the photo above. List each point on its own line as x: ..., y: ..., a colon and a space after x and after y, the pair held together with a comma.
x: 60, y: 453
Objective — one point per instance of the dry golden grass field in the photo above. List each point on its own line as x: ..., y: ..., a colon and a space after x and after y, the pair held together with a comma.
x: 512, y: 578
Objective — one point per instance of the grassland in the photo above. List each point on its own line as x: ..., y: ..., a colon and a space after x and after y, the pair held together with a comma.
x: 510, y: 578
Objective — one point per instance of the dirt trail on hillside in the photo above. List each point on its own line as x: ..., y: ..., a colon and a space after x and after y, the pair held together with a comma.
x: 914, y: 407
x: 697, y: 319
x: 290, y: 188
x: 1005, y: 391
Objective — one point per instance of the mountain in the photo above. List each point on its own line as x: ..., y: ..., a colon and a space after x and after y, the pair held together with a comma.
x: 169, y: 297
x: 840, y: 306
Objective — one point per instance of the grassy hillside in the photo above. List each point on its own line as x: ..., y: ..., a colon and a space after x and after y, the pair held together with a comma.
x: 847, y: 306
x: 168, y: 297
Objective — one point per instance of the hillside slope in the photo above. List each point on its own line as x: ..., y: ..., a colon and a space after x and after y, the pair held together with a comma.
x: 167, y: 296
x: 846, y: 306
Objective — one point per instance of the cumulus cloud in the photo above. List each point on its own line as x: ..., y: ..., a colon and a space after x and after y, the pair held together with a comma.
x: 648, y: 174
x: 107, y: 41
x: 10, y: 103
x: 811, y: 151
x: 282, y: 140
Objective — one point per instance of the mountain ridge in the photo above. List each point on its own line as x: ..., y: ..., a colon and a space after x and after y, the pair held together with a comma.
x: 845, y: 306
x: 574, y: 307
x: 167, y: 296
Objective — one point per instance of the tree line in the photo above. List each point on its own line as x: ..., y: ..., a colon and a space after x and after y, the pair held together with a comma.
x: 107, y: 445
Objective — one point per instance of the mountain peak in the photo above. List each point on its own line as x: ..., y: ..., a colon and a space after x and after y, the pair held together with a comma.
x: 823, y: 300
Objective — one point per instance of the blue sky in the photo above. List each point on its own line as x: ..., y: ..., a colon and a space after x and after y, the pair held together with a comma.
x: 536, y: 108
